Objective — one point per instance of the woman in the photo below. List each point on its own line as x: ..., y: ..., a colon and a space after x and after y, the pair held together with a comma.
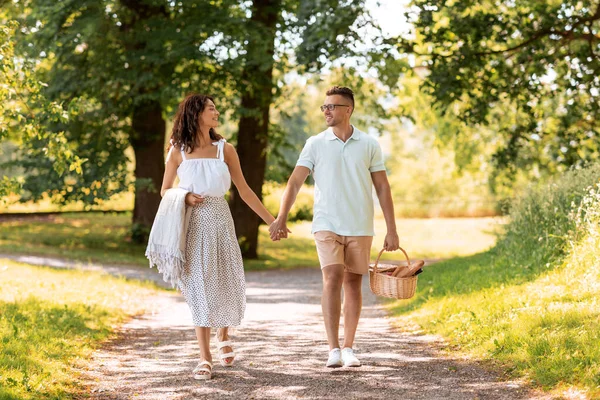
x: 212, y: 281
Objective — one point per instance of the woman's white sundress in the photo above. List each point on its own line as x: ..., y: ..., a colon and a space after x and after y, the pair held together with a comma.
x: 213, y: 283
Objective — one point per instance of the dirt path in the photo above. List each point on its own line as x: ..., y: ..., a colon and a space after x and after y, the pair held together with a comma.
x: 281, y: 354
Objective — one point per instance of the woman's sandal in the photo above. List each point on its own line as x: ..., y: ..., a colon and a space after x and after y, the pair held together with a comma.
x: 203, y: 370
x: 224, y: 356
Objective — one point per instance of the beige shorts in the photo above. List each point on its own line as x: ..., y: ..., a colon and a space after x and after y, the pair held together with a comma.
x: 353, y: 252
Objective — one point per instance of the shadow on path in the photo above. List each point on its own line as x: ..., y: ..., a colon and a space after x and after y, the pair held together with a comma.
x: 281, y: 351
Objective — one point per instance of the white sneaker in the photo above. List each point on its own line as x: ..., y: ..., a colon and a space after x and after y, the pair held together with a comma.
x: 349, y: 358
x: 335, y: 358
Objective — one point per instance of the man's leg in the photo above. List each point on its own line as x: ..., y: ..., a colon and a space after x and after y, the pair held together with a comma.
x: 352, y: 306
x: 330, y: 249
x: 333, y: 278
x: 357, y: 264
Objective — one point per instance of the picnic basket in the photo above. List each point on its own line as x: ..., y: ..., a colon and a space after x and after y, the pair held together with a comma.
x: 382, y: 283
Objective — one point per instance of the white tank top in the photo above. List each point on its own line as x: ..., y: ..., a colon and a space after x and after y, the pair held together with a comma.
x: 205, y: 176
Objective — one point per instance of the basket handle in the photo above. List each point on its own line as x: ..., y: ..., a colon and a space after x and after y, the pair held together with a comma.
x: 381, y: 252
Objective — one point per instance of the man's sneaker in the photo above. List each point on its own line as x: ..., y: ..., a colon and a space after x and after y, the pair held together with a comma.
x: 335, y: 358
x: 349, y: 358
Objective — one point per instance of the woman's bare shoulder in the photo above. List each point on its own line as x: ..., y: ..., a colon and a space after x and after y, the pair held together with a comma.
x: 174, y: 156
x: 228, y: 148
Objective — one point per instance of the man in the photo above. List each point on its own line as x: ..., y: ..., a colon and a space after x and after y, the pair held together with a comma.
x: 345, y: 164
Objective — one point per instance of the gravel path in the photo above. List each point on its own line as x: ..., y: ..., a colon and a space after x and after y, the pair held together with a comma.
x: 281, y: 351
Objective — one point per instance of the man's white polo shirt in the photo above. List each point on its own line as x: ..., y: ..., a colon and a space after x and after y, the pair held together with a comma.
x: 343, y: 184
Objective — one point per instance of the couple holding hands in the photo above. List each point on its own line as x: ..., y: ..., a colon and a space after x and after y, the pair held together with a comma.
x: 208, y: 268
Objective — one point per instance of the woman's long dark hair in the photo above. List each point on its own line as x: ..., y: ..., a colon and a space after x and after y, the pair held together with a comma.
x: 185, y: 124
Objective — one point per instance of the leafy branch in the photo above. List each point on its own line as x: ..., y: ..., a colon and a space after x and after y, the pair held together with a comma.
x: 26, y: 111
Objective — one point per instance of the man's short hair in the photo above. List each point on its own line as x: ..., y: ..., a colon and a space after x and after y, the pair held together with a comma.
x: 342, y: 91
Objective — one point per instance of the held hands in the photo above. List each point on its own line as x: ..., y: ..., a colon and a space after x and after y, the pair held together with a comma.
x: 391, y: 242
x: 193, y: 200
x: 278, y: 229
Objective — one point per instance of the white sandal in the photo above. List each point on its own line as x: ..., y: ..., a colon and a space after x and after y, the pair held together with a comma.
x: 203, y: 366
x: 224, y: 356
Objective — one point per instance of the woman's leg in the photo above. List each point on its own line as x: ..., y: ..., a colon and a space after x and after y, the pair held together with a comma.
x: 203, y: 336
x: 223, y: 335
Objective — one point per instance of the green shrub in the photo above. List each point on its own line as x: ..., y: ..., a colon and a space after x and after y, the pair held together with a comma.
x: 540, y: 222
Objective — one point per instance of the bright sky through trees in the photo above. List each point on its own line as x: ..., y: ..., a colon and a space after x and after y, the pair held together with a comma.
x: 390, y: 15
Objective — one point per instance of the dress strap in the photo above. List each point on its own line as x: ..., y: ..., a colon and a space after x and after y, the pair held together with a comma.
x: 170, y: 152
x: 220, y: 152
x: 182, y: 147
x: 168, y: 157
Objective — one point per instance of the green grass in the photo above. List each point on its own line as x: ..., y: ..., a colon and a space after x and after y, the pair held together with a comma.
x: 52, y: 320
x: 100, y: 237
x: 530, y: 304
x: 440, y: 237
x: 542, y: 326
x: 120, y: 202
x: 85, y: 237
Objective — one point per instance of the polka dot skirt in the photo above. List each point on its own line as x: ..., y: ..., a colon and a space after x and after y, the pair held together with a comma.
x: 213, y: 283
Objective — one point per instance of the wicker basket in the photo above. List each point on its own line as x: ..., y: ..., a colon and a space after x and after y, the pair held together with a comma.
x: 386, y: 285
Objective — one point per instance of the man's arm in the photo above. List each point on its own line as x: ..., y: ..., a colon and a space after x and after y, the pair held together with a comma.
x: 384, y: 194
x: 278, y: 228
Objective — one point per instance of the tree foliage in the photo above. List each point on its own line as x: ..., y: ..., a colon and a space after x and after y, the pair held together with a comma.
x: 122, y: 60
x: 25, y: 113
x: 131, y: 61
x: 530, y: 69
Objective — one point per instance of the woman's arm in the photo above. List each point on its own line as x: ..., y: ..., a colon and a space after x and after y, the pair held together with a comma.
x: 173, y: 161
x: 249, y: 197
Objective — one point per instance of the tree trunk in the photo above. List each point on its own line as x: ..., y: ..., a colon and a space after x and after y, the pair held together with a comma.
x: 148, y: 138
x: 147, y: 123
x: 253, y: 132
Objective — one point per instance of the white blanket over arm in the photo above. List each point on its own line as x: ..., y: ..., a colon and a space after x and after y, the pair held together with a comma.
x: 166, y: 245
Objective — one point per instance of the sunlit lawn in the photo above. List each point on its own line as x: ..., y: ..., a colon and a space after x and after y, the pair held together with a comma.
x: 541, y: 324
x: 119, y: 202
x: 440, y: 237
x: 52, y: 320
x: 86, y: 237
x: 99, y: 237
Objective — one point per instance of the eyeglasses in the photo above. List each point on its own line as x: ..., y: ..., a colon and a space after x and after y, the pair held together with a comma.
x: 331, y: 107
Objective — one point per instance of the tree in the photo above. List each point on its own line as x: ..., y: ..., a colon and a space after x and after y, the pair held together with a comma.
x: 328, y: 30
x: 24, y: 112
x: 533, y: 65
x: 132, y: 60
x: 256, y: 99
x: 129, y: 62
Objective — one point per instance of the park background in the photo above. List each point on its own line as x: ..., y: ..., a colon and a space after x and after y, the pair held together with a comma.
x: 486, y: 112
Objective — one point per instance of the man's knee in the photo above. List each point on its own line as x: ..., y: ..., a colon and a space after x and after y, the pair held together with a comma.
x: 352, y: 283
x: 351, y: 279
x: 333, y: 276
